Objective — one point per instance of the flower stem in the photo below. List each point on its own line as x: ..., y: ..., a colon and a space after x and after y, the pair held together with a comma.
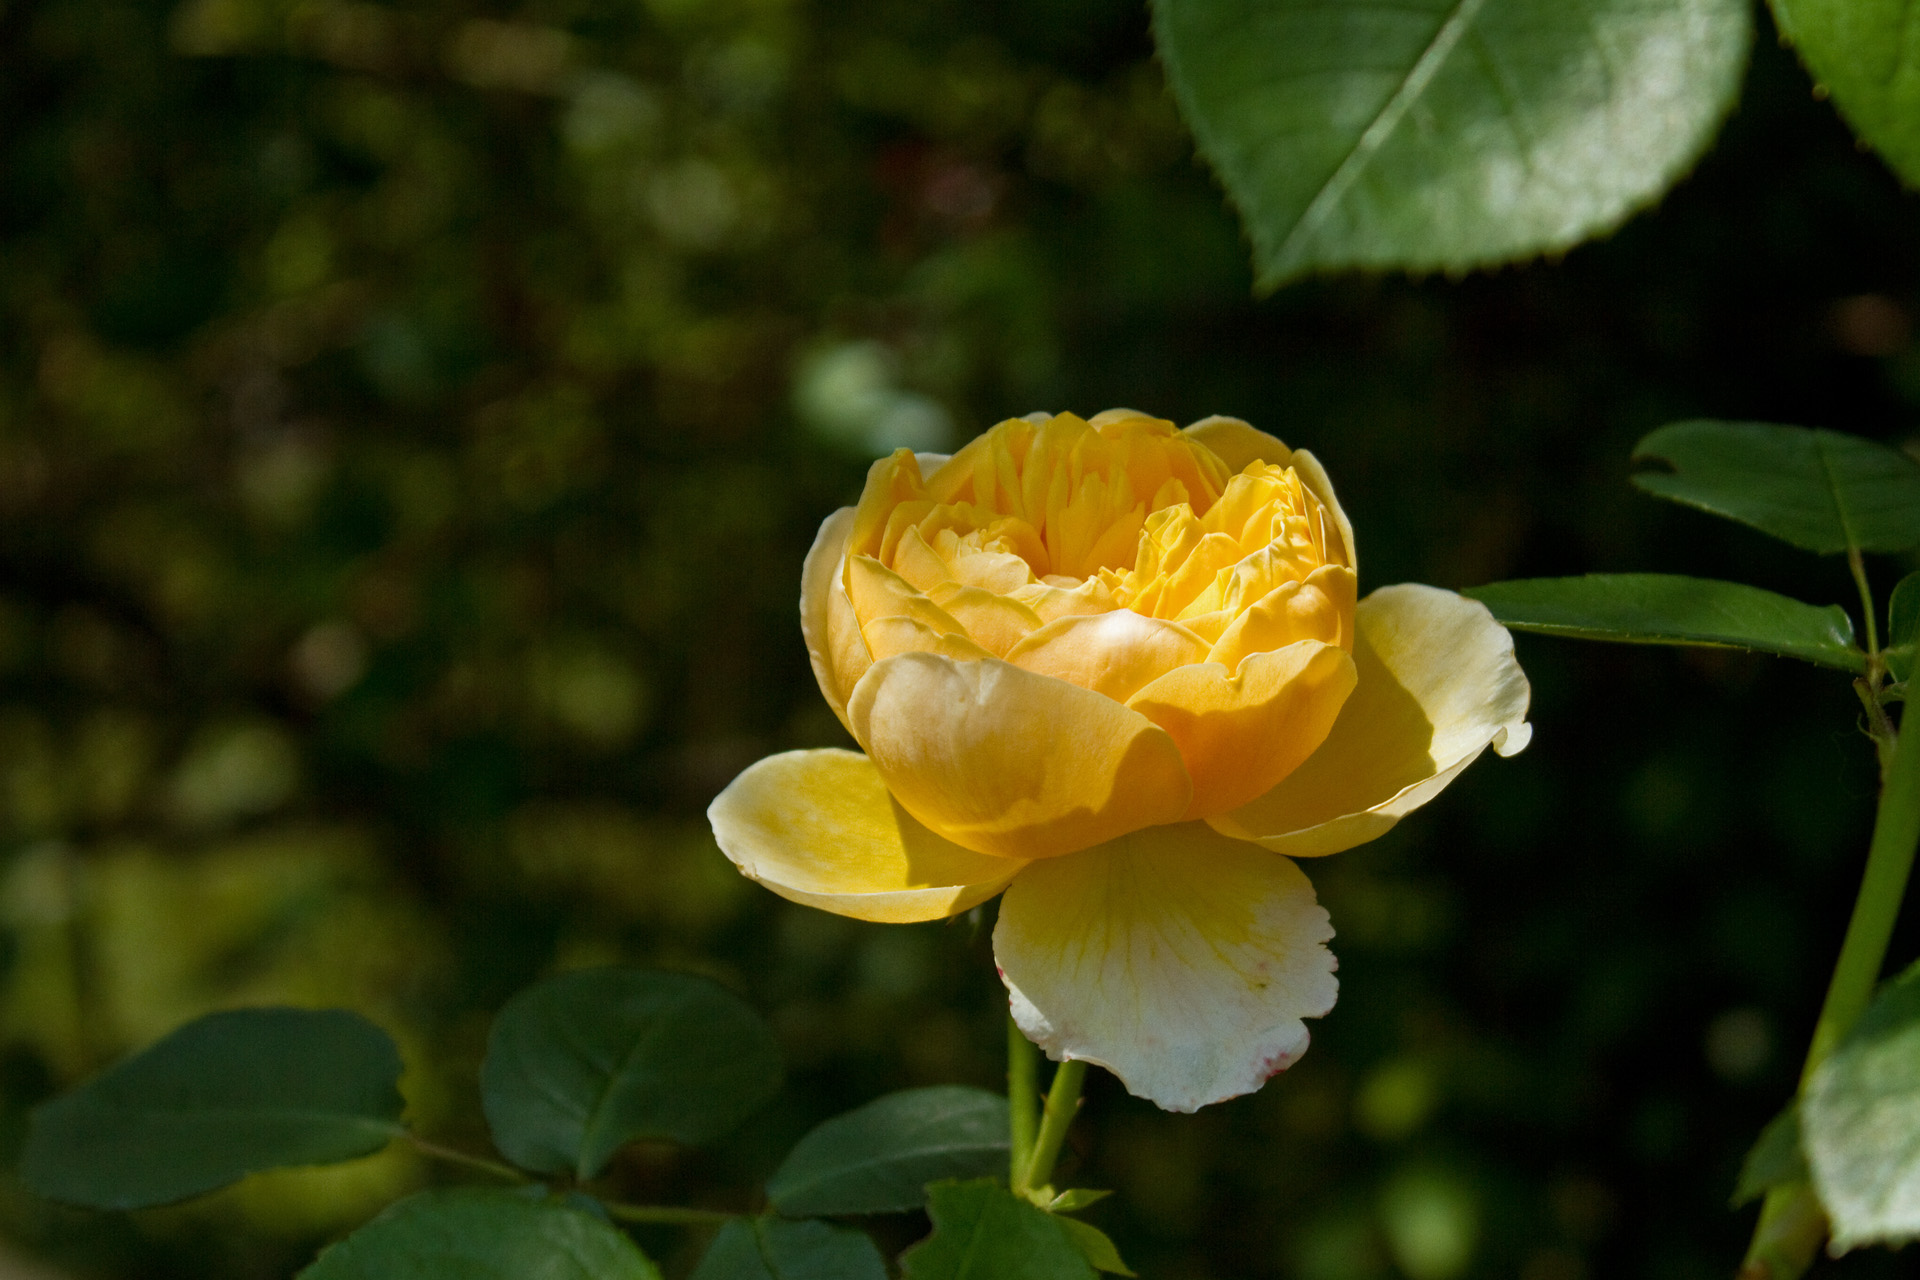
x: 479, y: 1163
x: 1063, y: 1102
x: 1023, y: 1094
x: 1791, y: 1225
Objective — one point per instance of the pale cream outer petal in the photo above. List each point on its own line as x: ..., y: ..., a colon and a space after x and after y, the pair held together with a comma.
x: 1007, y: 762
x: 818, y: 827
x: 827, y: 622
x: 1179, y: 960
x: 1238, y: 443
x: 1438, y: 685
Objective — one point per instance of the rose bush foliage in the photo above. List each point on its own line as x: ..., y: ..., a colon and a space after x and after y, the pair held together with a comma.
x: 1117, y: 670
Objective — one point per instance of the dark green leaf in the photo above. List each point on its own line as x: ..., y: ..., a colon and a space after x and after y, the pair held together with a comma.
x: 1661, y: 608
x: 1819, y: 490
x: 777, y: 1249
x: 1860, y: 52
x: 879, y: 1158
x: 1775, y: 1160
x: 1446, y: 134
x: 581, y: 1064
x: 221, y: 1097
x: 471, y: 1234
x: 1094, y: 1245
x: 982, y: 1231
x: 1860, y: 1119
x: 1903, y: 627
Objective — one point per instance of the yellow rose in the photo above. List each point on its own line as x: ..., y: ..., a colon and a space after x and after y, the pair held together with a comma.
x: 1115, y: 668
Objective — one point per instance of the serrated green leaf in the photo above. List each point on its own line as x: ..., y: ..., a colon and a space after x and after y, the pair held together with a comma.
x: 579, y: 1065
x: 1819, y: 490
x: 778, y: 1249
x: 223, y: 1096
x: 1860, y: 1120
x: 1446, y: 134
x: 982, y: 1231
x: 1903, y: 627
x: 1662, y: 608
x: 1775, y: 1159
x: 1094, y: 1246
x: 1866, y: 54
x: 473, y: 1234
x: 879, y: 1158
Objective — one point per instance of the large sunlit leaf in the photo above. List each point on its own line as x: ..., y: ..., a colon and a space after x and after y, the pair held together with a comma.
x: 982, y: 1231
x: 1860, y: 1119
x: 1775, y: 1159
x: 1664, y: 608
x: 1903, y: 627
x: 579, y: 1065
x: 1819, y: 490
x: 223, y: 1096
x: 1446, y: 134
x: 777, y: 1249
x: 879, y: 1158
x: 474, y: 1234
x: 1866, y: 54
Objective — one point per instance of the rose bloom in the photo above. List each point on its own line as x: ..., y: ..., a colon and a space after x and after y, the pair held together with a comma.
x: 1119, y: 671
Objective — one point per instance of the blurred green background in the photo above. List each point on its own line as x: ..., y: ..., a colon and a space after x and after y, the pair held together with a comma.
x: 411, y: 424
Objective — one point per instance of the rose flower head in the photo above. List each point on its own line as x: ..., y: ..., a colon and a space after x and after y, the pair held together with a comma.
x: 1119, y: 671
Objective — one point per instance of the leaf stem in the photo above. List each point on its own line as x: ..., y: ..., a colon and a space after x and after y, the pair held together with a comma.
x: 1780, y: 1248
x: 454, y: 1156
x: 668, y: 1215
x: 1858, y: 566
x: 1023, y: 1101
x: 1063, y: 1102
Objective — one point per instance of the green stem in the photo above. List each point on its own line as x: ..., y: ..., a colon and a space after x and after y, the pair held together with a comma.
x: 1789, y: 1229
x: 1023, y: 1100
x: 453, y: 1156
x: 1063, y: 1102
x: 668, y: 1216
x: 1859, y: 567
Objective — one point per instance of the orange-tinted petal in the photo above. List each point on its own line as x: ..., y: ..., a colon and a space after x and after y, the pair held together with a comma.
x: 1114, y: 653
x: 1238, y: 443
x: 1438, y: 684
x: 1242, y: 732
x: 1004, y: 761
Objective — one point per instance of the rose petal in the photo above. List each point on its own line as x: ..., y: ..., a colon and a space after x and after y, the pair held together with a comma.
x: 994, y: 622
x: 1004, y: 761
x: 818, y: 827
x: 827, y: 622
x: 1179, y: 960
x: 1238, y: 443
x: 1113, y: 653
x: 1242, y: 732
x: 1316, y: 609
x: 1438, y: 684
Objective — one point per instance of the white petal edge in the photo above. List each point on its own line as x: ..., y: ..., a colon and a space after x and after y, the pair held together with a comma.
x: 1181, y: 961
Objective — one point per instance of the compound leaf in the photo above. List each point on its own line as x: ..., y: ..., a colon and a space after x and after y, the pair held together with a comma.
x: 1446, y: 134
x: 223, y: 1096
x: 579, y: 1065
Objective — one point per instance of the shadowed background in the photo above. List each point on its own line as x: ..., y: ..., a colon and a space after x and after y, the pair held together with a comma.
x: 411, y: 424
